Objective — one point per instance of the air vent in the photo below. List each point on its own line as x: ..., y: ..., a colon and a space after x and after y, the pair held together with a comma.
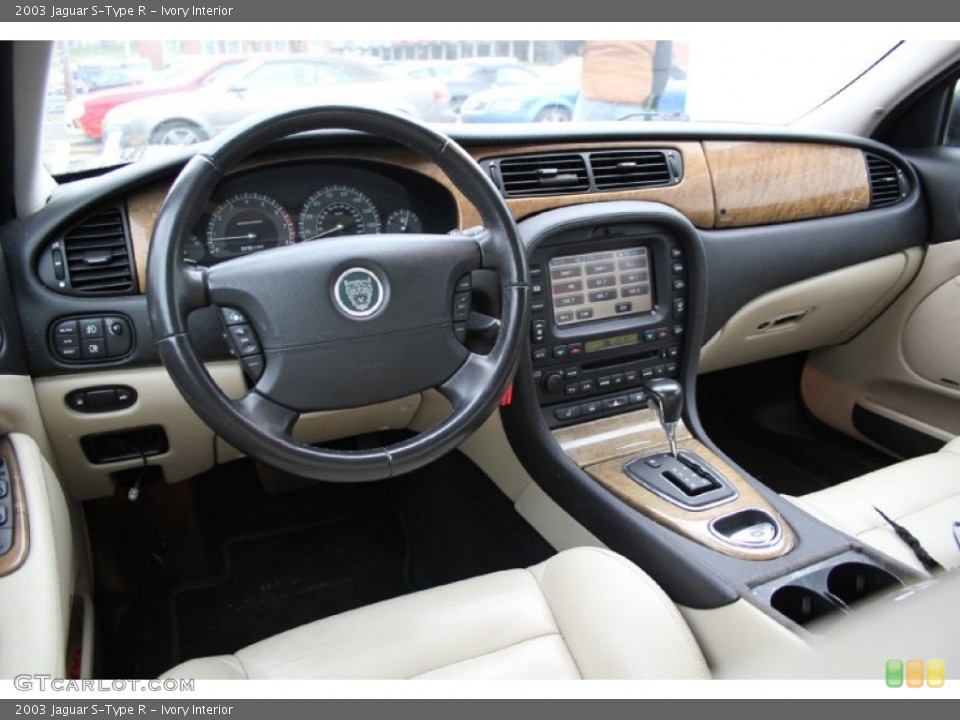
x: 887, y: 184
x: 542, y: 175
x: 98, y: 255
x: 631, y: 168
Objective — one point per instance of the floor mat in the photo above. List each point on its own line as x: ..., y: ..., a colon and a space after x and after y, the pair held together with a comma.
x: 274, y: 582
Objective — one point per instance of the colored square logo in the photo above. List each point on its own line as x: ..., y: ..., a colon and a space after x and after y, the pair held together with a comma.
x: 914, y: 673
x: 935, y: 673
x: 894, y: 673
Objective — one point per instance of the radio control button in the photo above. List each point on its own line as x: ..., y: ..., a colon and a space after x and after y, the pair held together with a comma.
x: 539, y: 354
x: 587, y: 386
x: 637, y: 398
x: 538, y: 307
x: 632, y: 377
x: 659, y: 370
x: 679, y: 308
x: 536, y: 271
x: 679, y: 284
x: 564, y: 317
x: 604, y: 382
x: 553, y: 382
x: 572, y: 389
x: 585, y: 314
x: 572, y: 372
x: 646, y: 373
x: 559, y: 351
x: 574, y: 348
x: 623, y: 307
x: 618, y: 379
x: 677, y: 330
x: 538, y: 329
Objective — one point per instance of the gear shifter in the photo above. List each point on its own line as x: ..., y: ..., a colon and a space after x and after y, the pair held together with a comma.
x: 666, y: 398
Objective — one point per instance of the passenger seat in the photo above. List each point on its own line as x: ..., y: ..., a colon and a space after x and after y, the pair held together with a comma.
x: 921, y: 494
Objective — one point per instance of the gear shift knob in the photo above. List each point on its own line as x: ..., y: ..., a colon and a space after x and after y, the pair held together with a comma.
x: 666, y: 398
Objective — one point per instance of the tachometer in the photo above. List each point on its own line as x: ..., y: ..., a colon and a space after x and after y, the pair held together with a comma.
x: 338, y: 210
x: 247, y: 223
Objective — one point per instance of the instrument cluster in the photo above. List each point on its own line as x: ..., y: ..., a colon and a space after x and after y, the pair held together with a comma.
x: 281, y: 205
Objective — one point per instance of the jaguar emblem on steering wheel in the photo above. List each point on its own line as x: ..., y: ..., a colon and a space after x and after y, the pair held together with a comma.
x: 359, y: 292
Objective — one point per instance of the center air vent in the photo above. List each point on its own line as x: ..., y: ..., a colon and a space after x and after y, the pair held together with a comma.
x: 93, y: 258
x: 542, y: 175
x: 632, y: 168
x: 559, y: 174
x: 887, y: 184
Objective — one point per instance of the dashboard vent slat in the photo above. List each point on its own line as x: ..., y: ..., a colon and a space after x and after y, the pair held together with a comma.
x: 98, y: 256
x: 543, y: 175
x: 630, y: 168
x: 887, y: 184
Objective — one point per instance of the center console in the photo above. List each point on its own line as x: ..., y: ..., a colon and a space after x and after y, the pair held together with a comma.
x: 609, y: 309
x: 604, y: 417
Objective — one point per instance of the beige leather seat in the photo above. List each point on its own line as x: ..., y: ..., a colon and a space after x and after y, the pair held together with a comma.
x: 921, y: 494
x: 584, y: 613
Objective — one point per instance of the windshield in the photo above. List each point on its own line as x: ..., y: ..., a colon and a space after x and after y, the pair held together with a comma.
x: 111, y: 102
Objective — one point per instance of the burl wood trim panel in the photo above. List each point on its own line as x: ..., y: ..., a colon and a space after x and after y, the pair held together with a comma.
x: 603, y: 447
x: 693, y: 196
x: 757, y: 183
x: 20, y: 547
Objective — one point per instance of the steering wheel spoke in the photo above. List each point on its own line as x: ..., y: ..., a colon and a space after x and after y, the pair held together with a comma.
x: 272, y: 418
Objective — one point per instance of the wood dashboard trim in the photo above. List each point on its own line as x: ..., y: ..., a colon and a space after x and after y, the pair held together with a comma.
x: 693, y: 196
x: 603, y: 447
x: 20, y: 547
x: 757, y: 183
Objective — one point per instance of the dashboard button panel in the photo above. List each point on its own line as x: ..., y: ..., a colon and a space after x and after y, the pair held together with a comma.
x: 92, y: 338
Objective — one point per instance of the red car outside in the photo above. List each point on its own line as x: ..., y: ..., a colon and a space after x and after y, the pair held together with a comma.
x: 85, y: 114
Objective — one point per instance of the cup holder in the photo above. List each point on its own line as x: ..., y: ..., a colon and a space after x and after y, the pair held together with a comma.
x: 828, y: 588
x: 853, y: 581
x: 801, y: 604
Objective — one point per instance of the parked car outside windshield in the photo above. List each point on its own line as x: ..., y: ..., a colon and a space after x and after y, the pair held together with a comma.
x: 260, y: 84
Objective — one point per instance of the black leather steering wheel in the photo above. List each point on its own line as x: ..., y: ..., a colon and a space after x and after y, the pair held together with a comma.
x: 342, y: 322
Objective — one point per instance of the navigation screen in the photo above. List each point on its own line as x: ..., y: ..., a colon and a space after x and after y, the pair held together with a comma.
x: 600, y: 285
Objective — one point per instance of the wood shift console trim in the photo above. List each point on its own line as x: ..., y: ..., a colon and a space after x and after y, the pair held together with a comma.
x: 603, y: 447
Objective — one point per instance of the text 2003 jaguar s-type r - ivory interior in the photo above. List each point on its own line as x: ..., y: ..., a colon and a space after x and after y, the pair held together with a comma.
x: 336, y: 392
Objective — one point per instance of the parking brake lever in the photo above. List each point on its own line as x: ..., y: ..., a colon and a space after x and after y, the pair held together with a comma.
x: 666, y: 398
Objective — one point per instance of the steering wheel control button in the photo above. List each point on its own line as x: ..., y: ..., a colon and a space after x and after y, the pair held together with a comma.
x: 464, y: 284
x: 461, y: 306
x: 253, y: 365
x: 460, y: 331
x: 359, y: 293
x: 244, y: 340
x: 232, y: 316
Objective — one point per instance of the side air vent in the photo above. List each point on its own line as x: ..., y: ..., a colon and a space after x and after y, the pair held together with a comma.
x: 97, y: 256
x: 887, y: 184
x: 541, y: 175
x: 632, y: 168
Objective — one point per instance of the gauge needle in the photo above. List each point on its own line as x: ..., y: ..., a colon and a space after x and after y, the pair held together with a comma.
x: 335, y: 228
x: 227, y: 238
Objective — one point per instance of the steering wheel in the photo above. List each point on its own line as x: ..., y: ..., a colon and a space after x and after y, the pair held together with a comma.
x: 342, y: 322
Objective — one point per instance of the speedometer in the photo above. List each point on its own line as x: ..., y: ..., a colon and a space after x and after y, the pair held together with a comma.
x: 247, y: 223
x: 338, y: 210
